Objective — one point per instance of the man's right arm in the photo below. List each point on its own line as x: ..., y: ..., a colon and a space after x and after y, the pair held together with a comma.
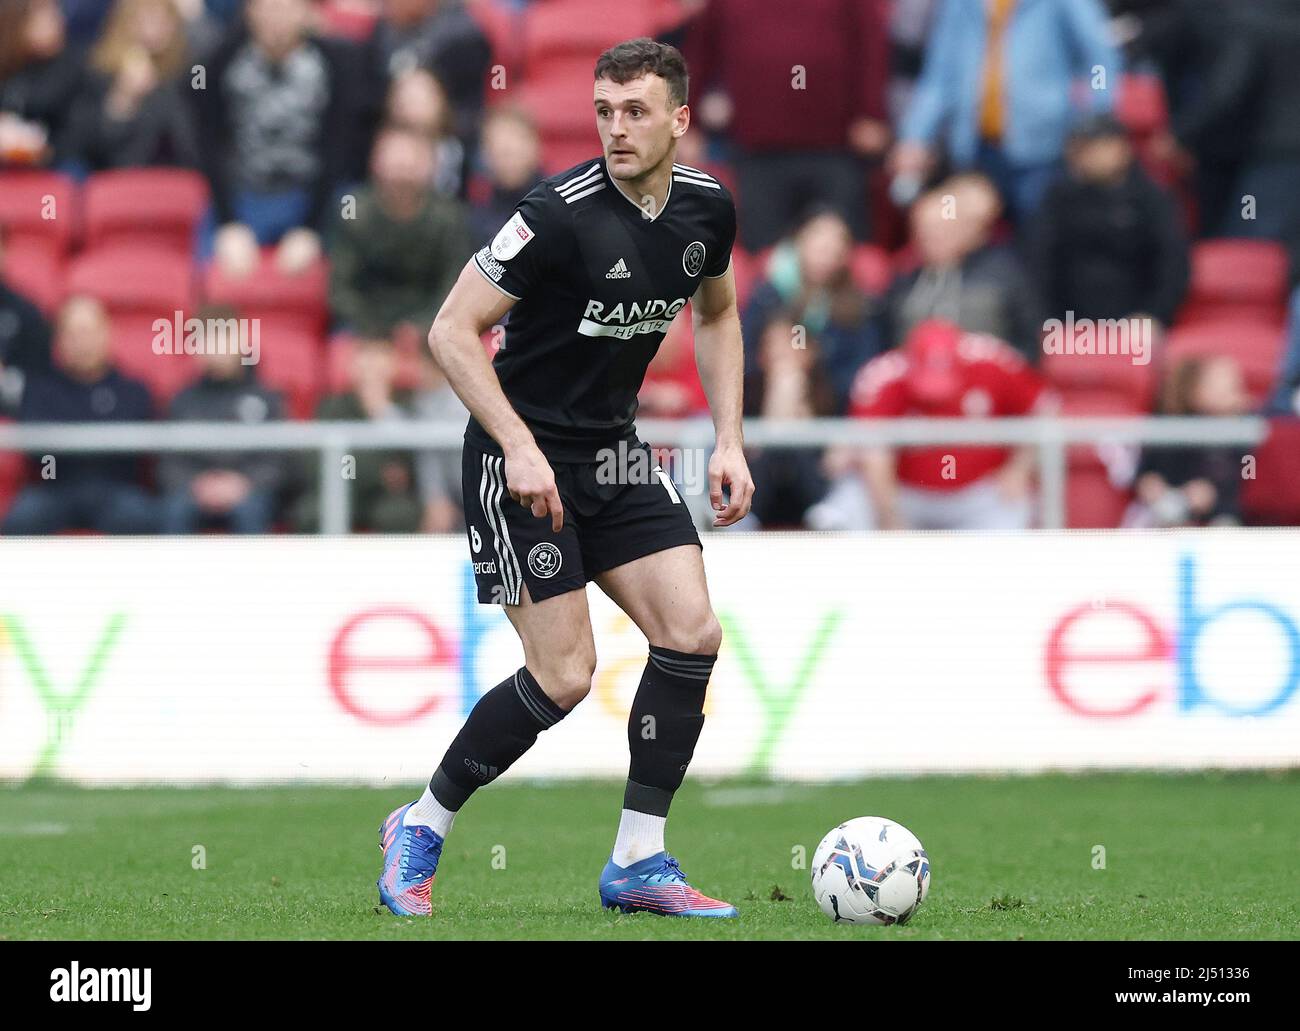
x: 474, y: 306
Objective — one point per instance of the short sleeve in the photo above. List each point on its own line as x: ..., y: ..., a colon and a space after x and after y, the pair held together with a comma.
x: 719, y: 261
x: 531, y: 242
x: 878, y: 389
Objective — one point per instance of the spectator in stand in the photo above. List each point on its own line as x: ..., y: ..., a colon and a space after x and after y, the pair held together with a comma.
x: 95, y: 492
x: 418, y: 102
x: 40, y: 75
x: 801, y: 98
x: 236, y: 490
x: 810, y: 275
x: 132, y: 110
x: 939, y: 372
x: 439, y: 36
x: 24, y: 342
x: 1196, y: 485
x: 511, y: 156
x: 789, y: 381
x: 273, y: 129
x: 396, y: 260
x: 1000, y: 82
x: 383, y: 491
x: 963, y: 276
x: 1108, y: 243
x: 438, y: 473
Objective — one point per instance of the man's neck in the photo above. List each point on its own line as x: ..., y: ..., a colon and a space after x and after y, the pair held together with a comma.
x: 654, y: 183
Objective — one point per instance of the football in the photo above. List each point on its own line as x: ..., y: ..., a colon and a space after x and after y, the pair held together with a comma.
x: 870, y: 871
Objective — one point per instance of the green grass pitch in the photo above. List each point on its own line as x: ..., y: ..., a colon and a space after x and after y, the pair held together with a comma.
x: 1186, y: 856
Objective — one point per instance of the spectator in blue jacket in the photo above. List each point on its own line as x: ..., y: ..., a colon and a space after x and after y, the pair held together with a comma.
x: 94, y: 492
x: 1002, y: 83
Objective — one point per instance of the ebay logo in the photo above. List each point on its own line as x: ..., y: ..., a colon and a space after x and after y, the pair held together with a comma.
x: 1072, y: 668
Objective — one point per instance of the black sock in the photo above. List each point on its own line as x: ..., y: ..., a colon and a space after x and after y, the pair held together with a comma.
x: 666, y: 720
x: 501, y: 727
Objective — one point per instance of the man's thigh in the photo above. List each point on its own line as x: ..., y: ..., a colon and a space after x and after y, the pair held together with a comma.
x: 667, y: 597
x: 555, y: 632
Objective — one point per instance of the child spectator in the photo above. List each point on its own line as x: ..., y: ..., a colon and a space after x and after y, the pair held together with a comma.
x: 1197, y: 485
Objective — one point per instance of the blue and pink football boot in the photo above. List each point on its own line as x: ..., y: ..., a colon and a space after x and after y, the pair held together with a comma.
x: 656, y: 885
x: 410, y: 861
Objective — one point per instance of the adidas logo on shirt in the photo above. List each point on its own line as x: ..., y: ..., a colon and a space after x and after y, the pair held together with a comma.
x: 619, y: 271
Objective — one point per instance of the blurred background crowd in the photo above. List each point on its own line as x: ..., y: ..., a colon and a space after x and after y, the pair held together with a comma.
x: 923, y: 186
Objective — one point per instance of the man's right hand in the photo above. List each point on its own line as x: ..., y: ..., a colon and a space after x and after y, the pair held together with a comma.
x: 532, y: 483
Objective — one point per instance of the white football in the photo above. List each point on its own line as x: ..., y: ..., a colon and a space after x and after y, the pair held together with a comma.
x: 870, y: 871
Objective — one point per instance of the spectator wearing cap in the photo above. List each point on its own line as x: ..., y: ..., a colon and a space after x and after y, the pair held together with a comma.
x: 95, y: 492
x: 1001, y: 84
x: 1107, y: 242
x: 940, y: 372
x: 801, y: 98
x: 234, y: 490
x: 397, y: 258
x: 963, y: 275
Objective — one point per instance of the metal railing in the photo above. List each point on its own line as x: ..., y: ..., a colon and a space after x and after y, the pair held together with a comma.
x: 335, y: 440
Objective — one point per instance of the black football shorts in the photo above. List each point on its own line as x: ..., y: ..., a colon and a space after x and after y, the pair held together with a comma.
x: 605, y: 525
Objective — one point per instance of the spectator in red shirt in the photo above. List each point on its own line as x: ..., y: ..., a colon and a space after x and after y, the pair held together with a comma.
x: 942, y: 371
x: 802, y: 98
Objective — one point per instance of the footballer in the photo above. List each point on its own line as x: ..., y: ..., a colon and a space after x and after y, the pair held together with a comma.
x: 592, y: 267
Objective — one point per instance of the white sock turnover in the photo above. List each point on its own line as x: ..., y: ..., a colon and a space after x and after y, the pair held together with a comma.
x: 430, y: 813
x: 640, y: 836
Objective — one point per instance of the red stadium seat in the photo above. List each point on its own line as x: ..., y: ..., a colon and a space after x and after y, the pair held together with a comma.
x: 12, y: 472
x: 558, y: 97
x: 35, y: 268
x: 165, y: 375
x: 501, y: 25
x: 39, y: 205
x: 1102, y: 373
x: 291, y: 363
x: 581, y: 28
x: 157, y: 207
x: 1092, y: 502
x: 279, y: 300
x: 1257, y: 346
x: 1142, y: 107
x: 1272, y: 498
x: 561, y: 152
x: 1236, y: 279
x: 871, y: 268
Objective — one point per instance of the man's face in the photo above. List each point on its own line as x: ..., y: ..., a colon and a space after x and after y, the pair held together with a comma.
x: 278, y: 25
x: 637, y: 124
x: 83, y: 338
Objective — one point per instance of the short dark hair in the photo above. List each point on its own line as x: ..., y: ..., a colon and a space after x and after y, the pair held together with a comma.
x: 636, y: 57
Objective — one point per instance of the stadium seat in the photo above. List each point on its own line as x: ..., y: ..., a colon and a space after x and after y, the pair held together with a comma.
x: 580, y: 29
x: 1272, y: 498
x: 281, y: 301
x: 347, y: 19
x: 1092, y: 502
x: 338, y: 365
x: 1141, y: 106
x: 39, y: 205
x: 1102, y: 374
x: 1257, y: 346
x: 558, y: 97
x: 500, y: 24
x: 157, y: 207
x: 871, y: 268
x: 291, y: 363
x: 561, y: 152
x: 165, y: 375
x: 12, y: 473
x: 1236, y: 279
x: 34, y: 268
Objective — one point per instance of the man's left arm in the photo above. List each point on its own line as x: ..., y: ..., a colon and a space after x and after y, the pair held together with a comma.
x: 720, y: 357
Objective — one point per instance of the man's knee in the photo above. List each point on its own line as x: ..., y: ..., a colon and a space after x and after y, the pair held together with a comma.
x: 566, y: 677
x: 698, y: 636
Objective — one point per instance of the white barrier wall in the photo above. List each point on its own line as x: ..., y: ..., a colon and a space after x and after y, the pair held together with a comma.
x: 218, y: 659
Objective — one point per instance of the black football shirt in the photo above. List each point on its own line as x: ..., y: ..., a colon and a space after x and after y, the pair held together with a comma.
x: 597, y: 284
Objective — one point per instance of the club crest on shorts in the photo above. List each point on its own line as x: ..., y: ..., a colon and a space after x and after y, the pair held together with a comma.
x: 544, y: 560
x: 693, y: 258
